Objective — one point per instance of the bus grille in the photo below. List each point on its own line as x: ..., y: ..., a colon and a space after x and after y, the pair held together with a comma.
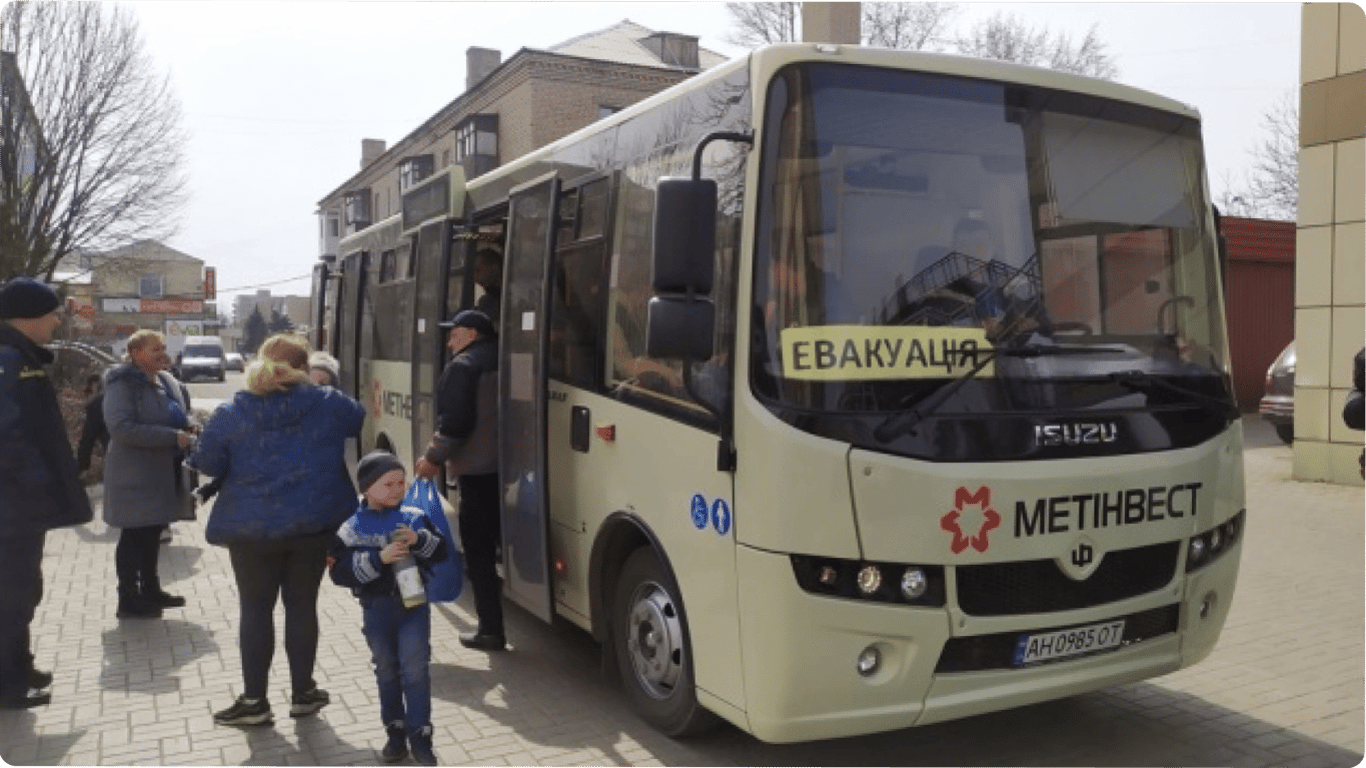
x: 1038, y: 586
x: 971, y: 654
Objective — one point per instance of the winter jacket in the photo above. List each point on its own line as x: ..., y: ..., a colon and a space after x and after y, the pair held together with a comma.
x: 1354, y: 411
x: 356, y: 545
x: 93, y: 431
x: 466, y: 435
x: 40, y: 487
x: 140, y: 475
x: 281, y: 457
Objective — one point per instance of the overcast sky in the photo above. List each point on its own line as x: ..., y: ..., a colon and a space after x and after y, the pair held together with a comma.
x: 278, y: 95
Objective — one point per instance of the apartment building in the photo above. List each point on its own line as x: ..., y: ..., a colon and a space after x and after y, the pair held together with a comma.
x: 509, y: 108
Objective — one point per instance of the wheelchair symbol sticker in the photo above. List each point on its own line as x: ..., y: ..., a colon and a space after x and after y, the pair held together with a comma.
x: 699, y: 512
x: 720, y: 516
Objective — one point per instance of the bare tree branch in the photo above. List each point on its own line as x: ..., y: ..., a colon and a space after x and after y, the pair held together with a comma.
x: 109, y: 166
x: 1008, y: 38
x: 1271, y: 188
x: 907, y: 26
x: 759, y: 24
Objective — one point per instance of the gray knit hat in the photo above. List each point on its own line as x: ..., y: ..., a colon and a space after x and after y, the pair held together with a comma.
x: 373, y: 466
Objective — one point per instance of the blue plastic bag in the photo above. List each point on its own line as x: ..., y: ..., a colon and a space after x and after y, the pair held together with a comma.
x: 447, y: 576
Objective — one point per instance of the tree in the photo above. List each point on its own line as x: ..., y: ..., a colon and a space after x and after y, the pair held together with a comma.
x: 1008, y: 38
x: 759, y: 24
x: 280, y: 323
x: 1271, y: 189
x: 108, y: 165
x: 907, y: 26
x: 253, y: 331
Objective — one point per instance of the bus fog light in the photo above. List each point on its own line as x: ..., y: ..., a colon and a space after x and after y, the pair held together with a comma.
x: 1197, y: 551
x: 913, y: 583
x: 869, y: 579
x: 869, y: 661
x: 1207, y: 604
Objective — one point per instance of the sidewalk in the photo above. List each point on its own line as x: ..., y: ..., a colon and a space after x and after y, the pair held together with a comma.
x: 143, y: 691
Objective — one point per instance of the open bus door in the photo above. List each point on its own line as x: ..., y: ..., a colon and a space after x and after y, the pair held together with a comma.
x: 317, y: 316
x: 523, y: 345
x: 348, y: 328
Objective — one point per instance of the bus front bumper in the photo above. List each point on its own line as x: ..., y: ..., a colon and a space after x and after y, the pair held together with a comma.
x: 801, y: 652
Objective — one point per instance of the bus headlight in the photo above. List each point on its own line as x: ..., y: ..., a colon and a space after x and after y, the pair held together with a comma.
x: 913, y: 583
x: 1196, y: 556
x: 918, y: 585
x: 1209, y: 546
x: 869, y: 579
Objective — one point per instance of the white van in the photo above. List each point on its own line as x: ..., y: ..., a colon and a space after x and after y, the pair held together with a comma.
x: 201, y: 356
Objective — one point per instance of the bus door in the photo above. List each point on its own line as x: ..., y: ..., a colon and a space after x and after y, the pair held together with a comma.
x: 523, y: 347
x: 347, y: 330
x: 317, y: 316
x: 435, y: 258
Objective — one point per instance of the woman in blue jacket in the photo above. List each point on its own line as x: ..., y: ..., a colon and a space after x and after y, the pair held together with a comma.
x: 279, y: 448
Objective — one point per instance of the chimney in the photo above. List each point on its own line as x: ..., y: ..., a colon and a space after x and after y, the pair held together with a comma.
x: 370, y: 150
x: 479, y: 63
x: 673, y: 49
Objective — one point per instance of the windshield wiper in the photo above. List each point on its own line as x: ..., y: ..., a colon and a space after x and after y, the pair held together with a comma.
x: 904, y: 421
x: 1141, y: 381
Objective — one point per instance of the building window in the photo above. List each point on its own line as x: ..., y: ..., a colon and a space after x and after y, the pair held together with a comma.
x: 333, y: 227
x: 356, y: 206
x: 413, y: 170
x: 476, y: 137
x: 150, y: 287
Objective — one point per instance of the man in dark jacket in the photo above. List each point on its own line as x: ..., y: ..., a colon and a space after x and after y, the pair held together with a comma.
x: 1354, y: 411
x: 40, y: 487
x: 466, y: 439
x: 93, y: 430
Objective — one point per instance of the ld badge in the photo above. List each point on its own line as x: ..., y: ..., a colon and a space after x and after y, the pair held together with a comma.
x: 1082, y: 560
x: 970, y: 520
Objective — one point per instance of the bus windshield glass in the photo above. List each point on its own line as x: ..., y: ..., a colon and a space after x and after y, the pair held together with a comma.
x: 913, y: 225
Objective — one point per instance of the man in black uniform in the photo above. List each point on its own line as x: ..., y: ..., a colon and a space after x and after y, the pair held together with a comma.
x: 40, y: 487
x: 466, y: 439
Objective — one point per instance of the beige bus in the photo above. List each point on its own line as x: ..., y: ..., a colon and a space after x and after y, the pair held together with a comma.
x: 842, y: 390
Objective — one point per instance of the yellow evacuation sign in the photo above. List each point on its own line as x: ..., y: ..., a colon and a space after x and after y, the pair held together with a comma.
x: 860, y: 352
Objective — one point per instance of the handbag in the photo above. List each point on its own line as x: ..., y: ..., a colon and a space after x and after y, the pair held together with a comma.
x: 186, y: 480
x: 447, y: 578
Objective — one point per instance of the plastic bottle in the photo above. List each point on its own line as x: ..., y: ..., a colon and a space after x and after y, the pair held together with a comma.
x: 409, y: 579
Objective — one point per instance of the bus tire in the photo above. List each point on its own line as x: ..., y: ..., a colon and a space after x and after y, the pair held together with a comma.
x: 650, y: 638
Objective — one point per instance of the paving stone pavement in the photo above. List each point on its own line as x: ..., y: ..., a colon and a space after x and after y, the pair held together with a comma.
x: 1283, y: 688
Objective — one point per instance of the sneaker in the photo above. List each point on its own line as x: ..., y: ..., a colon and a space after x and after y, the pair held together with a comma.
x: 301, y: 704
x: 421, y: 742
x: 245, y: 712
x: 396, y: 748
x: 483, y: 642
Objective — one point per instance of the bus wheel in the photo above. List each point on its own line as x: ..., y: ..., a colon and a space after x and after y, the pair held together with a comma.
x: 653, y: 657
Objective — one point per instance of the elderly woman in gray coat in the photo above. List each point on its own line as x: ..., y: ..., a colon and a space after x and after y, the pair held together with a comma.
x: 147, y: 413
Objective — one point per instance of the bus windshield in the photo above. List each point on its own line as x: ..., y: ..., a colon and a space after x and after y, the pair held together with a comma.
x: 912, y: 224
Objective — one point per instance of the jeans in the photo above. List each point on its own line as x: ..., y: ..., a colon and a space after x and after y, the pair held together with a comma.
x: 291, y: 569
x: 401, y: 650
x: 20, y: 592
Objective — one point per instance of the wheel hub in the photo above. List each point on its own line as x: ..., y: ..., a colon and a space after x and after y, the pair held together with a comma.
x: 654, y: 640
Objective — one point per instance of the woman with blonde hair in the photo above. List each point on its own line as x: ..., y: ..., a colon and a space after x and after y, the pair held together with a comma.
x: 147, y: 414
x: 279, y: 448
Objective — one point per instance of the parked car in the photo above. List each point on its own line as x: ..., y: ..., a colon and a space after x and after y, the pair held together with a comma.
x: 1278, y: 402
x: 201, y: 356
x: 233, y: 361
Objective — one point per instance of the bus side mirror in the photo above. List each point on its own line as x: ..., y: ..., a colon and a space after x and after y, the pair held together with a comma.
x: 678, y: 327
x: 684, y: 236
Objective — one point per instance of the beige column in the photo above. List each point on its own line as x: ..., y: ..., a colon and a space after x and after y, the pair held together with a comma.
x: 831, y: 23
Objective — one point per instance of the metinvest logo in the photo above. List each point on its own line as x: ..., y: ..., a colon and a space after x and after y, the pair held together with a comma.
x: 970, y: 520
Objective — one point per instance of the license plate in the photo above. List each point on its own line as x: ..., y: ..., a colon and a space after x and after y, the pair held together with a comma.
x: 1068, y: 642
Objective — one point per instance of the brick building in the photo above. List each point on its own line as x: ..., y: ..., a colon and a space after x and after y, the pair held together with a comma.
x: 510, y: 108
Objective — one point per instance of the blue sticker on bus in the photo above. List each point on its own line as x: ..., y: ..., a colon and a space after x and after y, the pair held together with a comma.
x: 720, y: 516
x: 699, y: 512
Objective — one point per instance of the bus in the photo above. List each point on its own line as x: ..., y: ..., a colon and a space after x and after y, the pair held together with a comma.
x: 841, y: 390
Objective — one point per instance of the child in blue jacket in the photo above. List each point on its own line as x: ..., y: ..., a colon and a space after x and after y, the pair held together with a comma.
x: 364, y: 552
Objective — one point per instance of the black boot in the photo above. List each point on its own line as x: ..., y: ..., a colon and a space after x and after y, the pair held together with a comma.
x: 151, y: 588
x: 133, y: 604
x: 396, y: 748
